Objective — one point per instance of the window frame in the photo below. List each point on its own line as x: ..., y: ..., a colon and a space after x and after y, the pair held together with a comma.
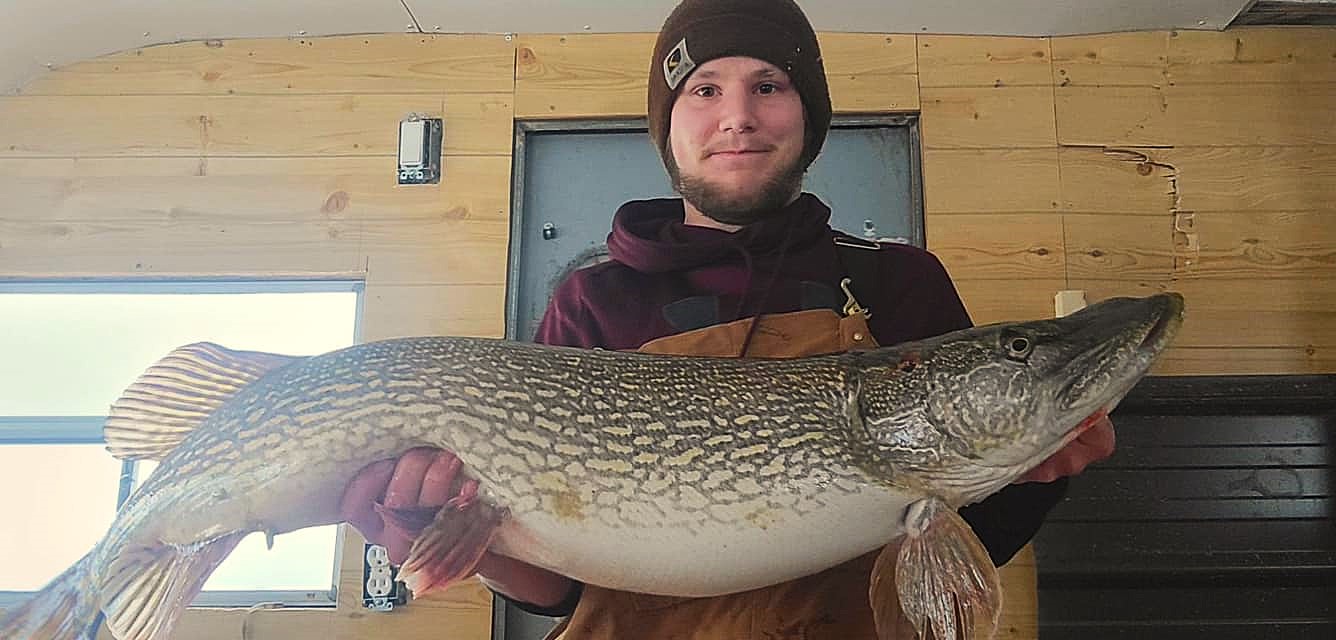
x: 69, y: 430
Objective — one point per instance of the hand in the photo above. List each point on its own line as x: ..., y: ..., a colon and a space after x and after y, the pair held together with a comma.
x: 427, y: 479
x: 1092, y: 445
x: 420, y: 479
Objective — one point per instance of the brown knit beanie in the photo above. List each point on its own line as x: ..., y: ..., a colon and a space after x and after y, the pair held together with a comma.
x: 775, y: 31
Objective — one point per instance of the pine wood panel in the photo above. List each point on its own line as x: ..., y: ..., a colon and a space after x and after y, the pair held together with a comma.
x: 51, y: 170
x: 988, y: 117
x: 969, y: 61
x: 1197, y: 115
x: 1130, y: 180
x: 379, y: 64
x: 1120, y: 59
x: 606, y: 75
x: 464, y: 614
x: 1020, y: 597
x: 1253, y: 56
x: 1204, y: 178
x: 989, y: 301
x: 245, y: 125
x: 1231, y: 245
x: 868, y: 54
x: 177, y: 246
x: 1255, y: 178
x: 870, y: 73
x: 1120, y: 246
x: 457, y: 310
x: 581, y: 76
x: 256, y: 215
x: 1238, y: 56
x: 998, y: 246
x: 1191, y: 361
x: 873, y: 93
x: 990, y: 180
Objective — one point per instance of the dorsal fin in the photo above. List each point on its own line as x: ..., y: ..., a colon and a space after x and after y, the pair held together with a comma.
x: 177, y: 393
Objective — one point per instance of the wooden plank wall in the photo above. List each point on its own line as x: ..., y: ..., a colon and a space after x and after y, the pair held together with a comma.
x: 1198, y: 162
x: 277, y: 157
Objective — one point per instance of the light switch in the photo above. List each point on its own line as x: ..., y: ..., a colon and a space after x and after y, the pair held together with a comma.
x: 420, y: 150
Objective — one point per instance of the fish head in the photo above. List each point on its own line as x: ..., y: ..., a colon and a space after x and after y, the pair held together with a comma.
x: 981, y: 406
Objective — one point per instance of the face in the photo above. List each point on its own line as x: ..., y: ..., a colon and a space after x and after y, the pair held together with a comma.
x: 736, y: 139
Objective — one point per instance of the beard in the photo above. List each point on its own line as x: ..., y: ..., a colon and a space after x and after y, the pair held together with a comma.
x: 773, y: 192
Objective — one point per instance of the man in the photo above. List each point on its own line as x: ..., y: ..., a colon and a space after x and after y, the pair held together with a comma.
x: 743, y: 264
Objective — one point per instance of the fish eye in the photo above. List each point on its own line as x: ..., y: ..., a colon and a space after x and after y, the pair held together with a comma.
x: 1019, y: 347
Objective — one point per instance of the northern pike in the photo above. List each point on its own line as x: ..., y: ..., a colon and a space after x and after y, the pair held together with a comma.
x: 671, y: 475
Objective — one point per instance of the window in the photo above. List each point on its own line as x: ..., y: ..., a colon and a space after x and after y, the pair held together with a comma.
x: 71, y: 348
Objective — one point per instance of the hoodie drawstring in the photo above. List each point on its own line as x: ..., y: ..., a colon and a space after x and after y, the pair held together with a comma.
x: 765, y: 293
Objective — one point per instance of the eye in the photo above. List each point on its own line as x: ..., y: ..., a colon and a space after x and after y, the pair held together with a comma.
x: 1019, y: 347
x: 704, y: 91
x: 768, y: 88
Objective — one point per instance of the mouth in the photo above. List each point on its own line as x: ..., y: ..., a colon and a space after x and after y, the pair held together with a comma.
x: 1086, y: 424
x: 736, y: 153
x: 1165, y: 325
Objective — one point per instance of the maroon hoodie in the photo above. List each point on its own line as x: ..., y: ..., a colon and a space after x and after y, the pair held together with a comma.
x: 665, y: 277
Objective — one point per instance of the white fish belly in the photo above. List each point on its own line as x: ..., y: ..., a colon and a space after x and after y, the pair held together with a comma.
x: 716, y: 557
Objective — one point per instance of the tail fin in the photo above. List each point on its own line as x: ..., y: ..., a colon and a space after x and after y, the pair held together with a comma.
x: 63, y: 610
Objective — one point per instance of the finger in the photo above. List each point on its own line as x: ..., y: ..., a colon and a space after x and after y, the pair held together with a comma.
x: 490, y: 566
x: 1063, y: 463
x: 406, y: 484
x: 1043, y: 473
x: 439, y: 483
x: 398, y: 547
x: 359, y: 498
x: 1103, y: 439
x: 1094, y: 445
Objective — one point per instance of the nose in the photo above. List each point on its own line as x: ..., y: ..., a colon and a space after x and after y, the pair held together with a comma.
x: 737, y: 112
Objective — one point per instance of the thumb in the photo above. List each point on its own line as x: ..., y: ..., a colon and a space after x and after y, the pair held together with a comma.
x: 357, y: 507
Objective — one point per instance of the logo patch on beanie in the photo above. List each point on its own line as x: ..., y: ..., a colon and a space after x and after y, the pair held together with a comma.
x: 677, y: 65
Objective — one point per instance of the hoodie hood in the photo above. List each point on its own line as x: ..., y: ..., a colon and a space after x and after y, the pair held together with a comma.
x: 754, y: 270
x: 650, y: 237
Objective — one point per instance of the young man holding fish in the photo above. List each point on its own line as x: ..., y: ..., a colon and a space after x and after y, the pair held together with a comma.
x: 739, y: 108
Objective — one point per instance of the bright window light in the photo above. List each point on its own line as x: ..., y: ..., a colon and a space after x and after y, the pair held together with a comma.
x: 58, y: 501
x: 71, y: 350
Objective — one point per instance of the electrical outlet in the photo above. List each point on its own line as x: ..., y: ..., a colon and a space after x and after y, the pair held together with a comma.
x: 381, y: 589
x: 380, y: 584
x: 377, y: 556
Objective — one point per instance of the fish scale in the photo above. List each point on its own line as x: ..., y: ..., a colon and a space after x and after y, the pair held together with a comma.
x: 670, y: 475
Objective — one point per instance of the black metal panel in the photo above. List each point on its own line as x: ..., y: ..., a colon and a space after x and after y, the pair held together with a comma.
x: 1306, y: 13
x: 1214, y: 518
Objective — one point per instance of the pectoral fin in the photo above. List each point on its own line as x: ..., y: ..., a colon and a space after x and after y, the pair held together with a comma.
x: 944, y: 580
x: 451, y: 546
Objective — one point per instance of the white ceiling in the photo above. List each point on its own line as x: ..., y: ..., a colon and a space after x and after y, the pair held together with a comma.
x: 36, y: 35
